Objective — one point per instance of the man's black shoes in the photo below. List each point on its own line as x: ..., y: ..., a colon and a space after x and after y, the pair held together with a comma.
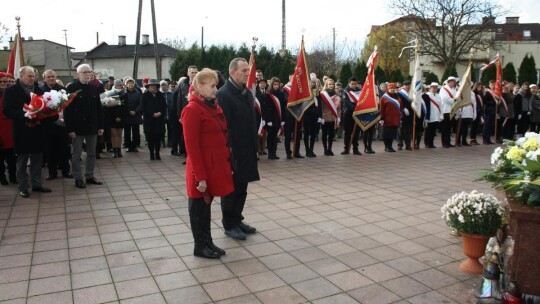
x: 41, y: 189
x: 246, y: 228
x: 80, y: 184
x: 236, y: 233
x: 24, y: 193
x: 94, y: 181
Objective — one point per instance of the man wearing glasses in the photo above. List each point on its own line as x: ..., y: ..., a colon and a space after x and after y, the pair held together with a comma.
x: 84, y: 122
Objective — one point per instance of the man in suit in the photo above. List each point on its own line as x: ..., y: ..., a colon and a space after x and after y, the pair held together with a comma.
x: 238, y: 106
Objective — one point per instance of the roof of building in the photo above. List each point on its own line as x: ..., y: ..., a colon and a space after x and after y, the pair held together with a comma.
x: 104, y: 50
x: 516, y: 32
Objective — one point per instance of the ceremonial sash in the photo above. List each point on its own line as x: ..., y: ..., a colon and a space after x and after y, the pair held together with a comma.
x: 354, y: 97
x: 288, y: 89
x: 261, y: 130
x: 404, y: 96
x: 330, y: 103
x: 278, y: 110
x: 395, y: 102
x: 258, y: 106
x: 433, y: 102
x: 448, y: 91
x: 479, y: 100
x: 500, y: 98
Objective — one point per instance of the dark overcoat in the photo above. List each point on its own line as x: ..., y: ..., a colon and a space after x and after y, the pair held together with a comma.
x: 150, y: 104
x: 28, y: 134
x: 84, y: 115
x: 238, y: 106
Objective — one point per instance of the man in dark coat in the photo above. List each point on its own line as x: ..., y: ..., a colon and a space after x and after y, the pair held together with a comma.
x: 57, y: 139
x: 238, y: 106
x: 28, y: 134
x: 84, y: 122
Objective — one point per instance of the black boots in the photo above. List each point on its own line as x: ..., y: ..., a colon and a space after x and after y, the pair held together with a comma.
x: 118, y: 152
x: 199, y: 217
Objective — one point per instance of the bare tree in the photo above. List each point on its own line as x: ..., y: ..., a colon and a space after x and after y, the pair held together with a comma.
x: 176, y: 43
x: 448, y: 29
x: 3, y: 31
x: 389, y: 40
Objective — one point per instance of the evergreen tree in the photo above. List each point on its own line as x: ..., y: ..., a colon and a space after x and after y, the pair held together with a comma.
x: 396, y: 76
x: 380, y: 77
x: 489, y: 74
x: 527, y: 70
x: 360, y: 71
x: 345, y: 73
x: 509, y: 73
x: 449, y: 71
x: 431, y: 77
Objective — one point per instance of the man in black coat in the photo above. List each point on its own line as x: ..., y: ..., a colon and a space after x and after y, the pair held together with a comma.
x: 132, y: 123
x: 58, y: 151
x: 238, y: 106
x: 28, y: 134
x: 84, y: 122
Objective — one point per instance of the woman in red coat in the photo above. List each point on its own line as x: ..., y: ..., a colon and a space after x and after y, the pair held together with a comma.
x: 391, y: 108
x: 6, y: 137
x: 208, y: 167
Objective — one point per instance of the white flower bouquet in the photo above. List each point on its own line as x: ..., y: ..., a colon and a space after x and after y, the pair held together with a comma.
x: 47, y: 105
x: 474, y: 213
x: 515, y: 168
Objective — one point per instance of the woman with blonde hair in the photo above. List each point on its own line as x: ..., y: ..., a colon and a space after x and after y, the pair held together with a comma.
x: 331, y: 112
x: 208, y: 165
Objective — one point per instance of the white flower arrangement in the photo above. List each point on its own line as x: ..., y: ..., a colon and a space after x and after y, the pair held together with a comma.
x: 516, y: 169
x: 474, y: 213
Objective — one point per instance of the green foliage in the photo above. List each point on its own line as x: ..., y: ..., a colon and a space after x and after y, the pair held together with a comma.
x: 527, y: 70
x: 509, y: 73
x: 396, y: 76
x: 345, y: 73
x: 219, y: 57
x: 360, y: 71
x: 380, y: 76
x: 489, y: 74
x: 431, y: 77
x: 449, y: 71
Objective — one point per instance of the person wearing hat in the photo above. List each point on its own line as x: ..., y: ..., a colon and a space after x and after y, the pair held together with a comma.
x: 7, y: 153
x: 434, y: 114
x: 405, y: 130
x: 153, y: 107
x: 391, y: 108
x: 447, y: 101
x: 84, y: 123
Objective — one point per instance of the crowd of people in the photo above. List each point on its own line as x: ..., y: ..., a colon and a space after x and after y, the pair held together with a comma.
x: 210, y: 120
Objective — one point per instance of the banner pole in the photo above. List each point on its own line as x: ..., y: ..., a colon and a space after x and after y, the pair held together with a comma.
x: 294, y: 138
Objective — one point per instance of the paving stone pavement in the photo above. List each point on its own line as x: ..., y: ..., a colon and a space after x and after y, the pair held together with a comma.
x: 342, y: 229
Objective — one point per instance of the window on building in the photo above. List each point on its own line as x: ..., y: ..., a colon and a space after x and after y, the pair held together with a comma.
x: 526, y: 34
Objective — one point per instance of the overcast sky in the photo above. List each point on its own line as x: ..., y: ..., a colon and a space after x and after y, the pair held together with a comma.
x: 225, y: 21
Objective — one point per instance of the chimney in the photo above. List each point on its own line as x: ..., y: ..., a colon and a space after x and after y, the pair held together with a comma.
x: 145, y: 39
x: 512, y: 20
x: 490, y: 20
x: 121, y: 40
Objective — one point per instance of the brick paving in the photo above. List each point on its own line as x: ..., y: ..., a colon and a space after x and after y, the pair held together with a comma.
x: 342, y: 229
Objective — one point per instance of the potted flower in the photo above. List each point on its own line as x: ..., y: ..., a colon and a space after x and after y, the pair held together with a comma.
x: 516, y: 171
x: 476, y: 216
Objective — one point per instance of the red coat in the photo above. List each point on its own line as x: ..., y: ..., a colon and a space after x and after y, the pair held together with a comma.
x: 206, y: 146
x: 6, y: 129
x: 390, y: 113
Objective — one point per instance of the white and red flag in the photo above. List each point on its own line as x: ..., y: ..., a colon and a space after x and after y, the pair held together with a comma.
x: 16, y: 57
